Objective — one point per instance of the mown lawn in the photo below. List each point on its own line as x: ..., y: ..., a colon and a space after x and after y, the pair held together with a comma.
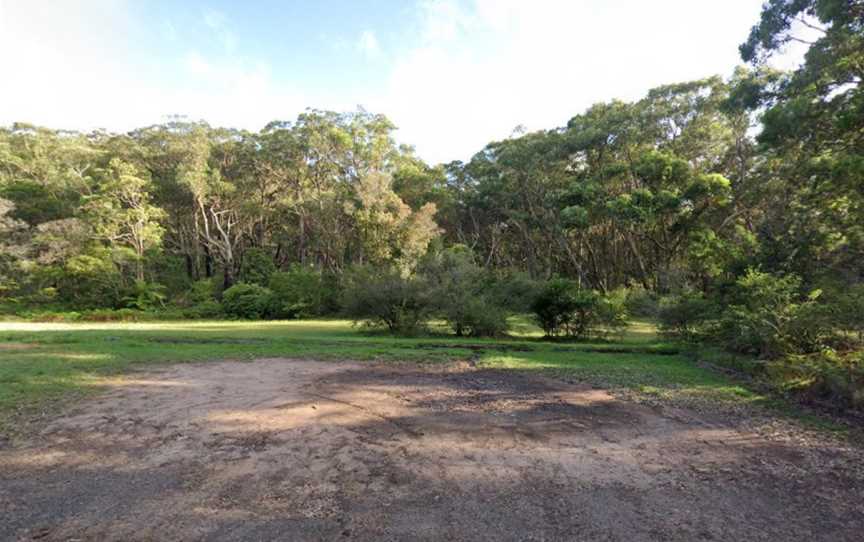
x: 41, y: 364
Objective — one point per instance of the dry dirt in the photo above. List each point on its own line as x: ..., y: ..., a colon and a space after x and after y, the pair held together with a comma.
x: 300, y: 450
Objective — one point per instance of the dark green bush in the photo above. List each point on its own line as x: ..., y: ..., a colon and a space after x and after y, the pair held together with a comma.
x: 642, y: 303
x: 247, y: 301
x: 257, y: 267
x: 563, y: 309
x: 768, y: 316
x: 383, y: 296
x: 463, y: 293
x: 514, y: 291
x: 143, y: 295
x: 685, y: 316
x: 300, y: 292
x: 111, y: 315
x: 825, y: 376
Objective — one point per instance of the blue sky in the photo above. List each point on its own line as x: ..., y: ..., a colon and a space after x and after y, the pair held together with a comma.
x: 452, y: 74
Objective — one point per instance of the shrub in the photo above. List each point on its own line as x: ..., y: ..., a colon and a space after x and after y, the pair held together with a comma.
x: 382, y: 296
x: 463, y: 293
x: 300, y: 292
x: 562, y: 308
x: 111, y: 315
x: 823, y: 376
x: 257, y: 267
x: 247, y: 301
x: 478, y: 317
x: 206, y: 309
x: 611, y: 316
x: 642, y: 303
x: 514, y: 291
x: 53, y: 316
x: 769, y: 317
x: 848, y: 312
x: 685, y: 316
x: 145, y: 295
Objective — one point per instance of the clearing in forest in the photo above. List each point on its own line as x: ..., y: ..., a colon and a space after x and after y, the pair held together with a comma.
x: 305, y: 450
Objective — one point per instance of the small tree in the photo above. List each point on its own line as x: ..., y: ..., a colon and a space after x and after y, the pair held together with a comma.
x: 121, y: 211
x: 383, y: 296
x: 247, y: 301
x: 301, y: 292
x: 562, y: 308
x: 462, y: 293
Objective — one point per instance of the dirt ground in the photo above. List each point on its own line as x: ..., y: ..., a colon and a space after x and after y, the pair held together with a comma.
x: 300, y: 450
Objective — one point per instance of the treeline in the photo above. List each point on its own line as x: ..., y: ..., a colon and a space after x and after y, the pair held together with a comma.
x: 679, y: 198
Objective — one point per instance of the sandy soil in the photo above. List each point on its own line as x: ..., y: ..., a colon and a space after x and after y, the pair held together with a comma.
x: 299, y: 450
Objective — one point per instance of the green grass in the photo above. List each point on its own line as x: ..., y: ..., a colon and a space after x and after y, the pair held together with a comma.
x: 43, y: 363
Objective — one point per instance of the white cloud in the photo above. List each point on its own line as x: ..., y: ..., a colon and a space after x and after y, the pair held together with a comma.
x: 75, y: 64
x: 368, y: 45
x: 467, y: 72
x: 486, y: 66
x: 218, y: 23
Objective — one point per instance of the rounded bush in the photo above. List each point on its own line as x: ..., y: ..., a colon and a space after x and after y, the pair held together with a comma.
x: 247, y: 301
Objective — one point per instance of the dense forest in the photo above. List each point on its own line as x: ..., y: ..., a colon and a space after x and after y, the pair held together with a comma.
x: 730, y: 208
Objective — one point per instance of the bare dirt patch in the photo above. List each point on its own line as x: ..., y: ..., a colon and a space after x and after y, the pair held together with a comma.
x: 16, y: 346
x: 299, y: 450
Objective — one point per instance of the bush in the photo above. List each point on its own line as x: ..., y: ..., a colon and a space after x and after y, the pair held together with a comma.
x: 514, y: 291
x: 111, y: 315
x: 685, y: 316
x: 825, y: 376
x: 769, y: 317
x: 205, y: 309
x: 478, y: 317
x: 463, y: 293
x: 145, y: 295
x: 247, y: 301
x: 382, y: 296
x: 257, y: 267
x: 300, y: 292
x: 562, y: 308
x: 642, y: 303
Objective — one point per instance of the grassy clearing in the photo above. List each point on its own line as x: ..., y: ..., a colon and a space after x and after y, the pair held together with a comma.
x: 41, y: 363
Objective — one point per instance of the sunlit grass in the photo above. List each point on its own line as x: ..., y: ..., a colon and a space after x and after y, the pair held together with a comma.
x: 57, y: 360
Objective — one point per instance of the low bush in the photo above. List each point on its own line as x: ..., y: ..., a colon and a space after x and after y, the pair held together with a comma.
x: 52, y: 316
x: 642, y: 303
x: 143, y: 295
x: 823, y: 377
x: 111, y: 315
x: 257, y: 267
x: 686, y: 316
x: 383, y: 296
x: 301, y: 292
x: 463, y: 293
x: 563, y: 309
x: 249, y: 301
x: 768, y: 316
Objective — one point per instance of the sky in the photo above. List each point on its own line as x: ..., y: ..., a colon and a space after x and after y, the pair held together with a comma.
x: 453, y: 75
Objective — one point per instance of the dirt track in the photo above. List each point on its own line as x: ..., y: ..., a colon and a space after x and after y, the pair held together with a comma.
x: 299, y: 450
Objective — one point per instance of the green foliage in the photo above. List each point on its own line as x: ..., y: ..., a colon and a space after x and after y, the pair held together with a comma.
x: 301, y: 292
x: 249, y: 301
x: 383, y: 296
x: 564, y: 309
x: 685, y: 316
x: 87, y: 280
x: 642, y: 303
x: 462, y: 293
x: 145, y: 296
x: 770, y: 317
x: 825, y: 377
x: 257, y: 267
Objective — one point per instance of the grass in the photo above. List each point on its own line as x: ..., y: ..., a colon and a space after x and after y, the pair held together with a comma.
x: 41, y: 364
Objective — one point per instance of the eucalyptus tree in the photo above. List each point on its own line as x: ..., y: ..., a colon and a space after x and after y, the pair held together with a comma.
x: 812, y: 139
